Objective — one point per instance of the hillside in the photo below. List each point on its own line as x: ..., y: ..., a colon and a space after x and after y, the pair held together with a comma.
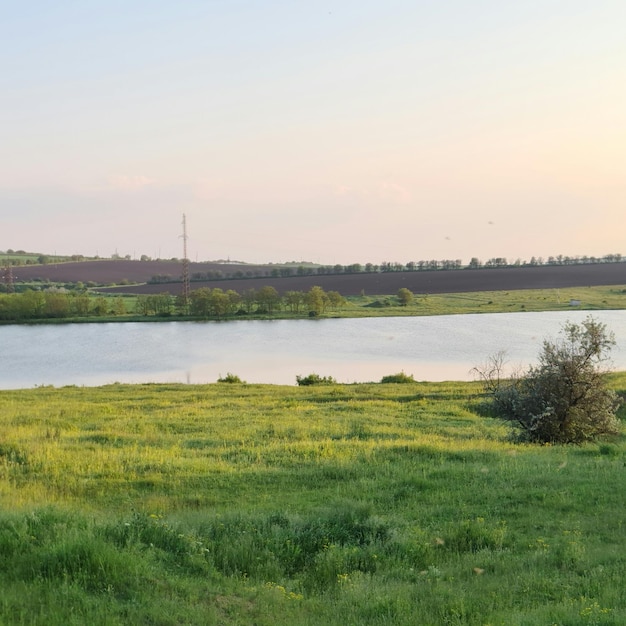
x: 254, y: 276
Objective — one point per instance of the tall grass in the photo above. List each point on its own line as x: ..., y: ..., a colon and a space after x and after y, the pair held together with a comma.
x: 340, y: 504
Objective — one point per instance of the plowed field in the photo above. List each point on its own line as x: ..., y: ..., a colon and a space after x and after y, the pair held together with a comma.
x: 443, y: 281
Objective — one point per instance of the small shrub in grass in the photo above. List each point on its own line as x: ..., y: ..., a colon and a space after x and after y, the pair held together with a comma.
x: 230, y: 378
x: 315, y: 379
x: 398, y: 378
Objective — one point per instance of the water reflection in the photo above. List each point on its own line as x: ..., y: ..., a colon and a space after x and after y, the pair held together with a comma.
x: 430, y: 348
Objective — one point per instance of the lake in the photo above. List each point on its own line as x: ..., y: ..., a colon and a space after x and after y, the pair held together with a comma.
x: 350, y: 350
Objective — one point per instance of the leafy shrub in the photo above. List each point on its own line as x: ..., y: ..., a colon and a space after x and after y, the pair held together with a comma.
x: 405, y: 296
x: 230, y: 378
x: 565, y: 398
x: 315, y: 379
x: 398, y: 378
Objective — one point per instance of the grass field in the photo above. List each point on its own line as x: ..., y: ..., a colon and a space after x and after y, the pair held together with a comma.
x: 342, y: 504
x: 585, y: 298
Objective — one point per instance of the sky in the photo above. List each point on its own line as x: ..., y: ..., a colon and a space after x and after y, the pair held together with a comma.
x: 344, y: 131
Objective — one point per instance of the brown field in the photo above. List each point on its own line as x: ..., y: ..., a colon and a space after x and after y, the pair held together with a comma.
x: 108, y: 271
x: 442, y: 281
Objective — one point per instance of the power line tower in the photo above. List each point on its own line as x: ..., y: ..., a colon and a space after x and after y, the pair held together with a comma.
x: 7, y: 276
x: 185, y: 267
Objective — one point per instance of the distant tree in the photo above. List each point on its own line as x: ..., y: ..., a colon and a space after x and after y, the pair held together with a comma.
x: 162, y: 303
x: 268, y: 299
x: 316, y: 299
x: 142, y: 305
x: 57, y: 304
x: 249, y: 299
x: 219, y: 302
x: 293, y: 300
x: 335, y: 300
x: 565, y: 398
x: 118, y: 306
x: 100, y: 306
x: 200, y: 302
x: 31, y: 304
x: 405, y: 296
x: 234, y: 300
x: 496, y: 262
x: 80, y: 304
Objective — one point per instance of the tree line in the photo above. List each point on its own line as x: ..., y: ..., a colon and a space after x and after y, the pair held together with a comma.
x: 206, y: 302
x: 217, y: 303
x: 57, y: 304
x: 203, y: 303
x: 387, y: 266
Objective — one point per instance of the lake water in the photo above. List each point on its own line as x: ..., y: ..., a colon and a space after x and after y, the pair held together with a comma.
x: 350, y: 350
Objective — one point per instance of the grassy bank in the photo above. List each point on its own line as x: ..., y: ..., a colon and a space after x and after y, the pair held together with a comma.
x: 574, y: 298
x: 341, y: 504
x: 582, y: 298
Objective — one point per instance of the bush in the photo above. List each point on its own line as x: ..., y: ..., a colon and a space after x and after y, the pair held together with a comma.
x: 231, y: 378
x: 563, y: 399
x: 405, y: 296
x: 315, y: 379
x: 398, y: 378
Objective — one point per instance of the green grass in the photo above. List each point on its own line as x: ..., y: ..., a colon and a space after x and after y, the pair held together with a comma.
x: 339, y: 504
x: 590, y: 298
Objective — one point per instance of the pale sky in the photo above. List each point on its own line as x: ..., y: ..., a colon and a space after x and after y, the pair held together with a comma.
x: 344, y: 131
